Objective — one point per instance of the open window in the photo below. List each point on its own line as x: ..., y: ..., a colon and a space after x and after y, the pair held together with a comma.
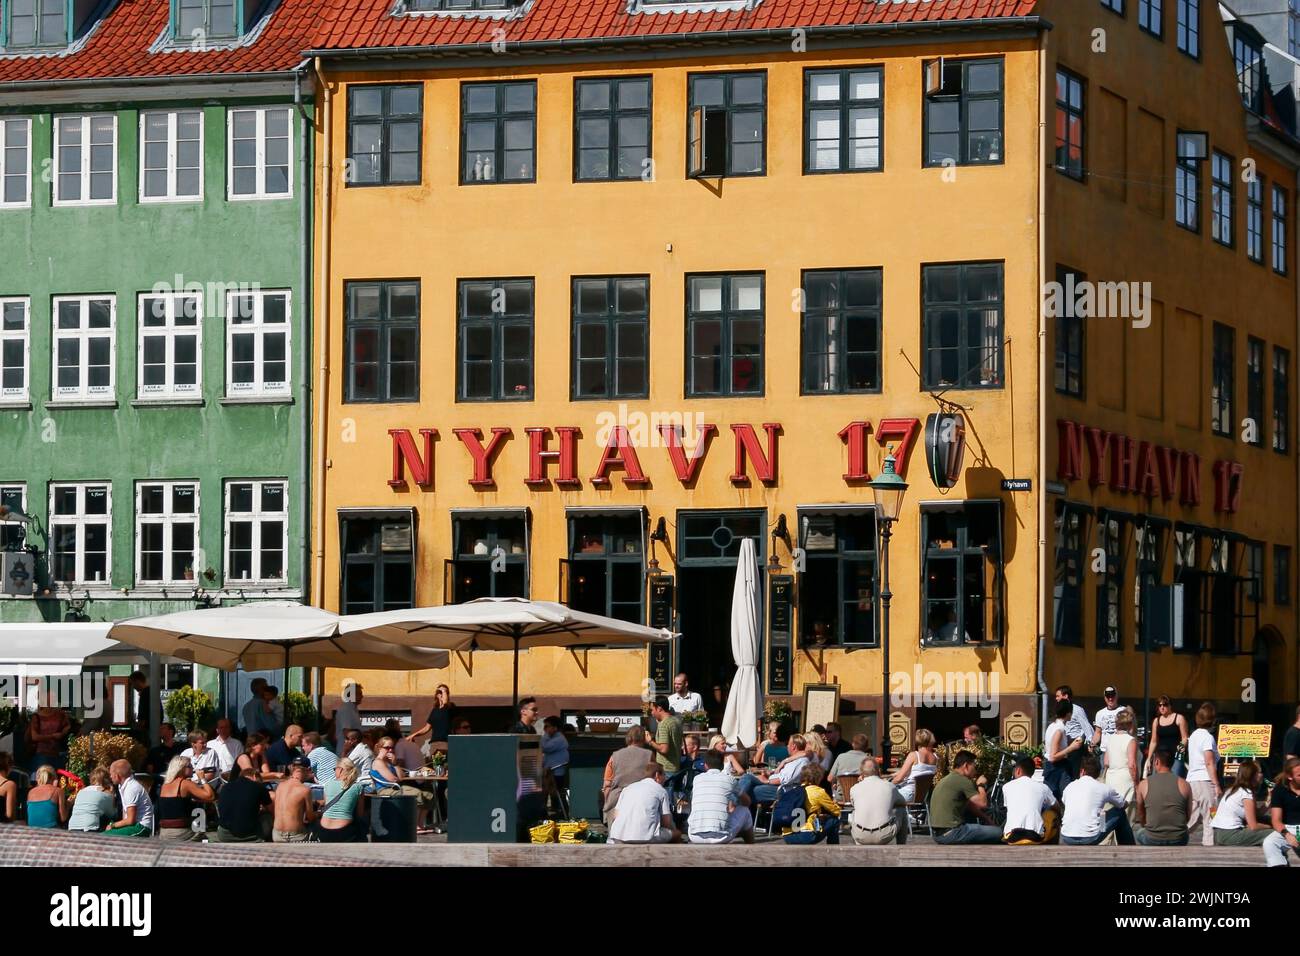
x: 839, y: 587
x: 491, y: 555
x: 962, y: 573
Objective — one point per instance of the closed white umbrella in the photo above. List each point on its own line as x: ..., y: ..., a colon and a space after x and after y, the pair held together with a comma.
x: 745, y: 702
x: 500, y: 624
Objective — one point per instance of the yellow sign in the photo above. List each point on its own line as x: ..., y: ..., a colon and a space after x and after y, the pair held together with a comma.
x: 1245, y: 740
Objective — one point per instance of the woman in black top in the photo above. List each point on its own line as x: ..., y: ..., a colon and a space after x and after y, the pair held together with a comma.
x: 1169, y: 731
x: 176, y: 799
x: 438, y: 723
x: 1284, y: 813
x: 8, y: 789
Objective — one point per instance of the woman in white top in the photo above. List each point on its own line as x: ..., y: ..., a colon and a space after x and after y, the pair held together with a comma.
x: 1236, y: 822
x: 1121, y: 759
x: 1203, y: 773
x: 731, y: 764
x: 921, y: 762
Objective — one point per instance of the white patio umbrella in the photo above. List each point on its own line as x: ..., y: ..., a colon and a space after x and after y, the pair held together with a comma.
x: 267, y: 634
x: 500, y: 624
x: 745, y: 702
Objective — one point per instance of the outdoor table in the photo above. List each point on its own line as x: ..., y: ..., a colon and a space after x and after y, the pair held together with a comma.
x: 431, y: 783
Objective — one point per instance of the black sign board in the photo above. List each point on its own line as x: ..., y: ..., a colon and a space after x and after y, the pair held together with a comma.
x: 1017, y: 484
x: 780, y: 645
x: 661, y: 615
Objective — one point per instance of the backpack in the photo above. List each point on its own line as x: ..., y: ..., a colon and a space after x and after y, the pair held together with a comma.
x: 789, y: 801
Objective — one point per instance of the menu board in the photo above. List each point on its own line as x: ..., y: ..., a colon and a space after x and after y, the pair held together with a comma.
x: 780, y: 642
x: 662, y: 593
x: 1245, y: 740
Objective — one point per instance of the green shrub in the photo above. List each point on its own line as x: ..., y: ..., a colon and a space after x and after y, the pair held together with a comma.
x: 189, y: 709
x: 298, y: 709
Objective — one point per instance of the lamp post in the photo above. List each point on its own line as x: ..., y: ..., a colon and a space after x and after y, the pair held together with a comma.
x: 888, y: 488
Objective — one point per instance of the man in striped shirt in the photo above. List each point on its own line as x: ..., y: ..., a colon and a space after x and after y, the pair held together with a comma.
x: 322, y: 761
x: 719, y: 810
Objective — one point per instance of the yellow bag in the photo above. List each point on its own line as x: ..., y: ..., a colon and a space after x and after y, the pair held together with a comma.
x: 573, y: 831
x: 543, y: 832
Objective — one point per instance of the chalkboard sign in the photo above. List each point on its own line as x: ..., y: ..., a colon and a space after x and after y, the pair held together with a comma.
x: 661, y: 615
x: 780, y: 644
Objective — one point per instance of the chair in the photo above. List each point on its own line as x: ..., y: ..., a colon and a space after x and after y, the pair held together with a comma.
x: 845, y: 783
x: 918, y: 811
x: 556, y: 786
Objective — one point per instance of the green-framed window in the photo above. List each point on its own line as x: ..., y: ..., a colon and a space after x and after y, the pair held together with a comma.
x: 208, y: 19
x: 964, y: 112
x: 844, y: 120
x: 1149, y: 538
x: 724, y: 334
x: 35, y: 23
x: 1189, y: 27
x: 495, y: 340
x: 377, y: 572
x: 1067, y: 587
x: 1111, y: 538
x: 606, y: 573
x: 1069, y: 124
x: 611, y: 128
x: 1071, y: 335
x: 961, y: 329
x: 1223, y: 380
x: 1151, y: 17
x: 727, y: 124
x: 381, y: 325
x: 384, y: 134
x: 1255, y: 219
x: 1255, y: 387
x: 498, y: 133
x: 1281, y: 575
x: 491, y: 556
x: 611, y: 337
x: 1281, y: 400
x: 1222, y: 206
x: 841, y: 331
x: 1280, y: 256
x: 962, y: 574
x: 839, y: 587
x: 459, y: 5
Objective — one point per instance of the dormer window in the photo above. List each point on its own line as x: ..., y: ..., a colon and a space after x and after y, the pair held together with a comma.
x: 35, y: 23
x: 459, y: 6
x: 213, y: 19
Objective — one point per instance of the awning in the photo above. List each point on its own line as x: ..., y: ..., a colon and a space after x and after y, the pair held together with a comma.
x: 54, y: 650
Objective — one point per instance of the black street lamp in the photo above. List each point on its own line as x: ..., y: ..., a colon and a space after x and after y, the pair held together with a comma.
x: 888, y: 488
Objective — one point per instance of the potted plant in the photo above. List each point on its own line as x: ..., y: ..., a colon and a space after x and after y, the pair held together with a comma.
x: 695, y: 720
x: 777, y: 710
x: 298, y: 709
x: 100, y: 749
x: 189, y: 708
x: 189, y: 573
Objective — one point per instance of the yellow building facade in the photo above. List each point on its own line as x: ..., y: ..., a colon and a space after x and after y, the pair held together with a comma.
x: 503, y: 366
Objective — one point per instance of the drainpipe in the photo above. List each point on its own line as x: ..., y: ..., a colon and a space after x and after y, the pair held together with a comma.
x: 322, y: 337
x: 1042, y: 374
x: 307, y: 187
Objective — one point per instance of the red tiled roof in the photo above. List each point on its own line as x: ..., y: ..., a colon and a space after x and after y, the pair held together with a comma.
x: 119, y: 46
x: 350, y: 24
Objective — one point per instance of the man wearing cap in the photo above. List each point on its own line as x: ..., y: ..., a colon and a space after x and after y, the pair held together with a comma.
x: 1104, y: 725
x: 294, y: 811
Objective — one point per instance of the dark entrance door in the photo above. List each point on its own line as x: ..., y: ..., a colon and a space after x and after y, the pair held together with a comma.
x: 708, y: 543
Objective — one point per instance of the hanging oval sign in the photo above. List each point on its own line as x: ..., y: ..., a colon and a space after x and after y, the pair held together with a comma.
x: 945, y: 448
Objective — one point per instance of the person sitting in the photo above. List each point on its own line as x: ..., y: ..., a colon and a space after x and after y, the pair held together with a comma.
x: 719, y: 811
x: 160, y: 757
x: 137, y: 809
x: 8, y: 789
x: 1284, y: 812
x: 281, y: 754
x: 293, y: 809
x: 46, y: 807
x: 253, y: 758
x: 643, y: 813
x: 240, y: 809
x: 1032, y: 814
x: 93, y: 807
x: 625, y: 767
x: 921, y: 762
x: 340, y: 821
x: 1164, y: 803
x: 320, y: 757
x: 204, y: 760
x: 386, y: 778
x: 356, y: 746
x: 772, y: 750
x: 691, y: 756
x: 972, y: 735
x: 1086, y: 822
x: 818, y: 752
x: 406, y: 753
x: 821, y: 817
x: 959, y: 806
x: 879, y: 814
x: 847, y: 768
x: 225, y: 745
x: 764, y: 787
x: 176, y: 799
x: 734, y: 762
x: 1236, y: 821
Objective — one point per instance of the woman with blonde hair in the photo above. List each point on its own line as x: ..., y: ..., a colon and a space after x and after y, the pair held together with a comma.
x: 46, y: 807
x: 731, y: 762
x: 339, y: 820
x: 817, y: 750
x: 176, y: 798
x: 921, y: 762
x: 1120, y: 759
x: 93, y: 808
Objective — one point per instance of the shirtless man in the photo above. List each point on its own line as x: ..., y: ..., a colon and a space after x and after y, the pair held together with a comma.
x: 294, y: 809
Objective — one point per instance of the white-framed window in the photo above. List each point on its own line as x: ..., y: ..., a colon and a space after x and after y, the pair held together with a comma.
x: 257, y: 531
x: 166, y: 531
x: 257, y: 344
x: 13, y: 495
x: 171, y: 156
x: 85, y: 160
x: 81, y: 525
x: 261, y: 153
x: 85, y: 347
x: 171, y: 345
x: 15, y: 350
x: 15, y: 162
